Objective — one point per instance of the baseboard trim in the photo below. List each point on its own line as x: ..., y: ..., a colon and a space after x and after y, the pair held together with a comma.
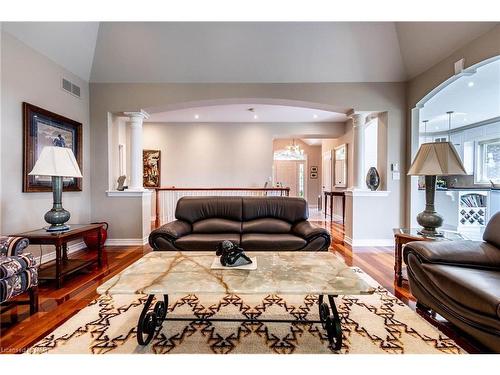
x: 369, y: 242
x: 71, y: 249
x: 126, y: 241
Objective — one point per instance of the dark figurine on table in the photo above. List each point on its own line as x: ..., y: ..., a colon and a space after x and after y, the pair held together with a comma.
x: 231, y: 255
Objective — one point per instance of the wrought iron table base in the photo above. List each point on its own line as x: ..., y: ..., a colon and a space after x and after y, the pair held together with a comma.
x: 151, y: 320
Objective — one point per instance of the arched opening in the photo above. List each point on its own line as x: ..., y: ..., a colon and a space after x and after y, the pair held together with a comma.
x: 231, y: 143
x: 465, y: 110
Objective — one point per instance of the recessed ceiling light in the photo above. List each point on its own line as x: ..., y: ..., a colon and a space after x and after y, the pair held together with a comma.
x: 315, y: 116
x: 255, y: 117
x: 470, y: 84
x: 197, y: 116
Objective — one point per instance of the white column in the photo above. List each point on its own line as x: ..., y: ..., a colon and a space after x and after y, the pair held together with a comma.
x: 136, y: 163
x: 358, y: 162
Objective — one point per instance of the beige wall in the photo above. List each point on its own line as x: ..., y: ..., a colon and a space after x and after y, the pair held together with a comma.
x: 221, y: 155
x: 1, y: 155
x: 482, y: 48
x: 29, y: 76
x: 329, y: 145
x: 115, y: 98
x: 313, y: 159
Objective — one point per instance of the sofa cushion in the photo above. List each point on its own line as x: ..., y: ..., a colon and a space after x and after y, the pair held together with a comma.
x: 267, y: 225
x: 192, y: 209
x: 289, y: 209
x: 476, y: 289
x: 217, y: 225
x: 279, y: 242
x: 207, y: 241
x: 492, y: 232
x: 466, y: 253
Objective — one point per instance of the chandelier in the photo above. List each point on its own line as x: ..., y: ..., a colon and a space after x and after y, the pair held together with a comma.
x: 293, y: 151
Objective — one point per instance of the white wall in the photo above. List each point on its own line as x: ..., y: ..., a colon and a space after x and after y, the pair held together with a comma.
x: 28, y: 76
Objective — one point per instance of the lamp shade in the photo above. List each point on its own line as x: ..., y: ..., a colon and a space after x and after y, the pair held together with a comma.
x: 437, y: 159
x: 56, y: 161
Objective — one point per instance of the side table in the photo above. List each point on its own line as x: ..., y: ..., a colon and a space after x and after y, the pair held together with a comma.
x: 404, y: 235
x: 63, y: 265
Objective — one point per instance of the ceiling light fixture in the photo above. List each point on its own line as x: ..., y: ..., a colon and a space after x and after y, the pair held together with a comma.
x: 470, y: 84
x: 294, y: 151
x: 315, y: 116
x: 196, y: 117
x: 255, y: 117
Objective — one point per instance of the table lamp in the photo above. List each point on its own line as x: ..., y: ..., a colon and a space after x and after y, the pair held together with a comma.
x: 434, y: 159
x: 56, y: 162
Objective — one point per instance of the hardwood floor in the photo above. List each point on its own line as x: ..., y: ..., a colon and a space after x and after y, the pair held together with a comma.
x: 19, y: 330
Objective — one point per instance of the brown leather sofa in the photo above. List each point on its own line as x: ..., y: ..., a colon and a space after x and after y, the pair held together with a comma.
x: 460, y: 280
x: 255, y: 223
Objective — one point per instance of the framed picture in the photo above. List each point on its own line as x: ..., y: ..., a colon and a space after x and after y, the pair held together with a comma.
x: 151, y: 160
x: 44, y: 128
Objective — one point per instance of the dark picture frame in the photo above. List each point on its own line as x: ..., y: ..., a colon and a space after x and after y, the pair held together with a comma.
x: 45, y: 128
x: 151, y: 168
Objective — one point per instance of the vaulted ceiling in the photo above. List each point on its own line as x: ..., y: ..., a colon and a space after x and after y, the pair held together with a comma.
x: 246, y: 52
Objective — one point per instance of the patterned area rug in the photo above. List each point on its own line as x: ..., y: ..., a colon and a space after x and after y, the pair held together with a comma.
x: 377, y: 324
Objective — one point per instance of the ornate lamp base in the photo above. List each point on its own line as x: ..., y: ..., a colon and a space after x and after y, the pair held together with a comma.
x: 57, y: 216
x: 429, y: 219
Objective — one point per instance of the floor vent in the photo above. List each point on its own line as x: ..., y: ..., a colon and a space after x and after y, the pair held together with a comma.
x: 71, y: 87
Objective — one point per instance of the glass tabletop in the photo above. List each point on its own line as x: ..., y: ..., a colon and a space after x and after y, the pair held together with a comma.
x: 277, y: 273
x: 448, y: 235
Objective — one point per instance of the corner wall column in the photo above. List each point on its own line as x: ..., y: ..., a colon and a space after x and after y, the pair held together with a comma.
x: 136, y: 163
x: 358, y: 162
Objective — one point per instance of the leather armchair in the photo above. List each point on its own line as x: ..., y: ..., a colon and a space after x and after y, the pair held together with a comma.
x: 255, y: 223
x: 460, y: 280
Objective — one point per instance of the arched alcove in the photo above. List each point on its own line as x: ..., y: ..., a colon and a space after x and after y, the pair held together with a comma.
x: 465, y: 109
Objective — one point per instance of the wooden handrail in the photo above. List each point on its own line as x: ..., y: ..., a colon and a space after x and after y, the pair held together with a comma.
x: 223, y: 189
x: 285, y: 190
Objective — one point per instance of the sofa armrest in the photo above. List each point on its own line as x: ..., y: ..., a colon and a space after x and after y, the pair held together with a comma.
x: 308, y: 231
x: 476, y: 254
x: 13, y: 245
x: 173, y: 230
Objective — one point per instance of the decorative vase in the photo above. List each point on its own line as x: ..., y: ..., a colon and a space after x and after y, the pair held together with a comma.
x: 372, y: 179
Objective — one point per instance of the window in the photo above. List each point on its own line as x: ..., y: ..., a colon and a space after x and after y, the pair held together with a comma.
x: 301, y: 191
x: 488, y: 161
x: 371, y: 142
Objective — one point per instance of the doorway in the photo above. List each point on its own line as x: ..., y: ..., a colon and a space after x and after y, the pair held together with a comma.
x: 291, y: 173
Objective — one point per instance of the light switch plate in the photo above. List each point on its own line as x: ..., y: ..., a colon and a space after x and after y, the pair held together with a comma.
x: 395, y: 176
x: 395, y: 167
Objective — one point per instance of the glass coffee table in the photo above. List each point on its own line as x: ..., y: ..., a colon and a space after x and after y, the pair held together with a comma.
x: 404, y: 235
x: 164, y: 273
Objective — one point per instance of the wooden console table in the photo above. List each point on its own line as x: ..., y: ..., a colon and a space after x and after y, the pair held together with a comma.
x: 62, y: 266
x: 332, y: 194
